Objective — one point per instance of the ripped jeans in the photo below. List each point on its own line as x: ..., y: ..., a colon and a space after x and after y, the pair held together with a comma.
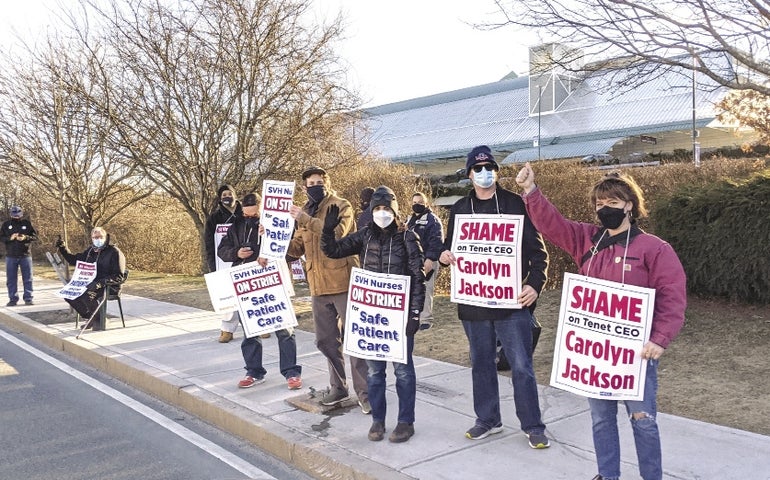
x: 604, y: 414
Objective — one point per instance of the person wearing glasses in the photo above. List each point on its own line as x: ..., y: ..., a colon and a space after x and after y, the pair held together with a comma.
x: 511, y: 326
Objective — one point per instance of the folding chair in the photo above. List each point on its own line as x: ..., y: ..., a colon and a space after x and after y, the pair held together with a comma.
x: 111, y: 292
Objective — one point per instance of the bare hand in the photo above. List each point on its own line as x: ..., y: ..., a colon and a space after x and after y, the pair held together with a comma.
x: 295, y: 211
x: 526, y: 178
x: 245, y: 252
x: 447, y: 258
x: 262, y: 261
x: 428, y: 266
x: 527, y: 296
x: 261, y: 230
x: 652, y: 351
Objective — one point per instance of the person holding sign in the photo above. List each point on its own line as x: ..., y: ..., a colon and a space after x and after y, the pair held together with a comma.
x: 241, y: 245
x: 110, y: 269
x: 328, y: 279
x: 228, y: 209
x: 619, y: 251
x: 386, y: 246
x: 497, y: 305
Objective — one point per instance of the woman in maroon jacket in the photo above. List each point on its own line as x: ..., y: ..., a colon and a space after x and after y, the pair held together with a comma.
x: 648, y: 262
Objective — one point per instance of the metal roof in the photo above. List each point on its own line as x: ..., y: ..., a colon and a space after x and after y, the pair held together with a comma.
x: 447, y: 125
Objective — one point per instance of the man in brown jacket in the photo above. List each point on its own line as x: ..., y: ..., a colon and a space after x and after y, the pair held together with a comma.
x: 328, y: 279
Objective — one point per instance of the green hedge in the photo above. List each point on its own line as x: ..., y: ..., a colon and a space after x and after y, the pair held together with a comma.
x: 721, y: 233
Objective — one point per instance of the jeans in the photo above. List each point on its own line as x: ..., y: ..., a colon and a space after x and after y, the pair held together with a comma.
x: 604, y: 416
x: 287, y: 351
x: 12, y: 266
x: 406, y: 386
x: 515, y: 335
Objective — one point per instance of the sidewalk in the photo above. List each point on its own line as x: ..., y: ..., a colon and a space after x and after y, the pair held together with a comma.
x: 171, y: 352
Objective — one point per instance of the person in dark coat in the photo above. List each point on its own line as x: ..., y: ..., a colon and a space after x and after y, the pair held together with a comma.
x: 427, y: 225
x: 365, y: 217
x: 386, y: 246
x: 17, y: 234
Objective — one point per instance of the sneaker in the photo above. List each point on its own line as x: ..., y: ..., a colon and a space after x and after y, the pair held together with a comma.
x: 377, y: 431
x: 477, y: 432
x: 249, y: 381
x: 28, y: 302
x: 10, y: 304
x: 538, y: 440
x: 598, y: 477
x: 295, y: 383
x: 334, y: 396
x: 425, y: 325
x: 366, y: 407
x: 225, y: 337
x: 402, y: 433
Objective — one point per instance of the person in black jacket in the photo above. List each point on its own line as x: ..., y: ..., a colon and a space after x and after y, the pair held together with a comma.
x: 427, y: 225
x: 386, y: 246
x: 110, y: 268
x: 241, y: 245
x: 511, y: 326
x: 17, y: 233
x: 227, y: 211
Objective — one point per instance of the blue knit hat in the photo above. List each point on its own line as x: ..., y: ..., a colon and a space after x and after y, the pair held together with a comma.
x: 480, y: 154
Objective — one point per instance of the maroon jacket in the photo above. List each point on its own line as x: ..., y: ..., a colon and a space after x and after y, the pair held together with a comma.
x: 653, y: 263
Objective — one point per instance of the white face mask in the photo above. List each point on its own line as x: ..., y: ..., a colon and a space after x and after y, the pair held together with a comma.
x: 383, y: 218
x: 98, y: 242
x: 484, y: 179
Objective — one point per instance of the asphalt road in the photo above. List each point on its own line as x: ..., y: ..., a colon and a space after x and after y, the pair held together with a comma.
x: 62, y: 420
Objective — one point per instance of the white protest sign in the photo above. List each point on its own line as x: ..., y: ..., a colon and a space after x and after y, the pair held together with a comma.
x: 84, y: 274
x: 378, y: 309
x: 277, y: 197
x: 603, y: 326
x: 298, y: 271
x: 488, y: 268
x: 262, y: 297
x: 219, y: 234
x: 222, y: 293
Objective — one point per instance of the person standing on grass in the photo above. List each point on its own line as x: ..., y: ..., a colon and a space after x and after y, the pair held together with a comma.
x: 427, y: 225
x: 386, y: 246
x: 241, y: 245
x: 513, y: 327
x: 619, y: 251
x: 328, y: 279
x: 17, y: 234
x: 227, y: 211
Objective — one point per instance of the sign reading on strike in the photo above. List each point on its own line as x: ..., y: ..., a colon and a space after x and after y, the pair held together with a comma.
x: 378, y: 309
x: 277, y: 197
x: 603, y: 327
x: 488, y: 268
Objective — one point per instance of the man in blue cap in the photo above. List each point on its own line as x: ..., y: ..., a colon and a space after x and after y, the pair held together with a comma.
x: 17, y: 233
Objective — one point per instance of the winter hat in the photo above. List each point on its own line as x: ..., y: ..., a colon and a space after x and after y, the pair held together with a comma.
x: 313, y: 171
x: 366, y: 194
x: 384, y: 196
x: 250, y: 200
x: 226, y: 187
x: 16, y: 211
x: 480, y: 154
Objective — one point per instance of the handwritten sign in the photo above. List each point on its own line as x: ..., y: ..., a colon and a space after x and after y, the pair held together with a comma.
x: 602, y: 328
x: 488, y: 268
x: 84, y: 274
x: 378, y: 309
x: 277, y: 197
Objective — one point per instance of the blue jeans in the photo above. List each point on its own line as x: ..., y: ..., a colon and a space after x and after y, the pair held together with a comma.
x: 406, y: 386
x: 604, y: 415
x: 12, y: 266
x: 287, y: 351
x: 515, y: 335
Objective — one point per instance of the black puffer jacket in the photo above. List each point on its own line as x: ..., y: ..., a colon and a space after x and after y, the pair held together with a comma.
x: 244, y: 231
x: 110, y: 263
x: 394, y: 250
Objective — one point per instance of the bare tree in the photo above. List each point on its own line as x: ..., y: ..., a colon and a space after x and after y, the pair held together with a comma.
x: 209, y: 91
x: 650, y: 35
x: 749, y: 108
x: 52, y: 137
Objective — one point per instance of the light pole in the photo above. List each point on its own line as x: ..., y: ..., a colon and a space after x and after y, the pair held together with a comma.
x: 695, y: 144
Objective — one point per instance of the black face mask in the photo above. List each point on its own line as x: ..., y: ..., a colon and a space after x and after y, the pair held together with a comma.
x: 316, y: 193
x: 227, y: 201
x: 419, y: 208
x: 611, y: 218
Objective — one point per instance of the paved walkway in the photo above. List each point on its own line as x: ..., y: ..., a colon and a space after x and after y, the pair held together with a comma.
x: 171, y: 352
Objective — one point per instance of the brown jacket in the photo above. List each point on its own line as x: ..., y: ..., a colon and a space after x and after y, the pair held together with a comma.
x: 326, y: 276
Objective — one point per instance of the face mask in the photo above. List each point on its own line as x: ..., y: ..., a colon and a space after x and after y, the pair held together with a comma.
x: 611, y: 218
x: 316, y: 193
x: 98, y: 242
x: 383, y: 218
x: 227, y: 201
x: 419, y: 208
x: 484, y: 179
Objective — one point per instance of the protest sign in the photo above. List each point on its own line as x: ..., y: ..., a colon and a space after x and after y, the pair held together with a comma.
x: 277, y: 197
x: 222, y: 292
x: 603, y: 327
x: 378, y: 309
x: 488, y: 268
x: 262, y: 297
x: 84, y: 274
x: 298, y: 271
x: 219, y: 233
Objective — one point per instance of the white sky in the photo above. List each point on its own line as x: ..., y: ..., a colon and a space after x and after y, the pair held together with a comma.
x: 396, y: 49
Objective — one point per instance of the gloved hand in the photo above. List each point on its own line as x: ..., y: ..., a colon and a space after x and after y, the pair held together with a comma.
x: 60, y: 243
x: 95, y: 285
x: 413, y: 324
x: 332, y: 218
